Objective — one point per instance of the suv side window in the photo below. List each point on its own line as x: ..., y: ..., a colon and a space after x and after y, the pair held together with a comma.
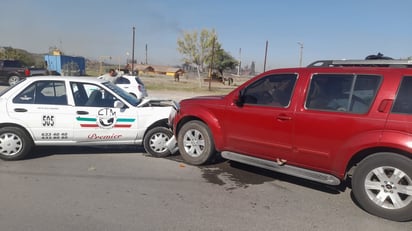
x: 272, y: 90
x: 342, y: 92
x: 12, y: 63
x: 403, y: 101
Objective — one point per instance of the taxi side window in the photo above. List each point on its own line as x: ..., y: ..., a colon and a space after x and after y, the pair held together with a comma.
x: 272, y: 90
x: 90, y: 95
x: 403, y: 101
x: 342, y: 92
x: 43, y: 92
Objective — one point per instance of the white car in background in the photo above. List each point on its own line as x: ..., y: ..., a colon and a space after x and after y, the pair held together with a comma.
x: 133, y: 85
x: 130, y: 83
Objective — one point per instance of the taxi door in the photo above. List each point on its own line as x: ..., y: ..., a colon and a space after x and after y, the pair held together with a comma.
x: 43, y: 109
x: 96, y: 120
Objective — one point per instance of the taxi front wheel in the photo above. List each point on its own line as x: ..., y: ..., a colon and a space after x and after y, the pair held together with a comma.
x: 155, y: 141
x: 15, y: 143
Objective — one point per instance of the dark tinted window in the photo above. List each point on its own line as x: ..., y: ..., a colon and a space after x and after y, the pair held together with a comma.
x: 342, y: 92
x: 403, y: 101
x: 272, y: 90
x: 43, y: 92
x: 12, y: 63
x: 139, y: 81
x: 122, y: 80
x: 91, y: 95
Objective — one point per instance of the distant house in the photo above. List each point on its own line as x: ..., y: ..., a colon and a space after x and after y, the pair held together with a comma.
x: 143, y: 68
x: 158, y: 69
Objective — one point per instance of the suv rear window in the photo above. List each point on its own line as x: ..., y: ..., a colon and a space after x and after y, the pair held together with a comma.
x: 12, y: 63
x: 342, y: 92
x: 403, y: 101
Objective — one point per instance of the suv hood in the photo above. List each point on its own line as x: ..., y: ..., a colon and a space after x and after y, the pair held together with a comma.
x: 207, y: 97
x: 148, y: 102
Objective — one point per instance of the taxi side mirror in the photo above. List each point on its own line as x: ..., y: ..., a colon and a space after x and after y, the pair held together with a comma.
x: 118, y: 104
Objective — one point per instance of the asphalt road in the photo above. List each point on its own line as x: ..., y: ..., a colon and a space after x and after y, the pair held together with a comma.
x: 113, y: 188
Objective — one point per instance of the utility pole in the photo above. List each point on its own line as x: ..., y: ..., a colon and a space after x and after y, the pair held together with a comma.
x: 240, y: 62
x: 266, y: 54
x: 146, y: 54
x: 301, y: 53
x: 133, y: 51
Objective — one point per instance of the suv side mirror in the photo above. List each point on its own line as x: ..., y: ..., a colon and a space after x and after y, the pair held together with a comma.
x: 239, y: 100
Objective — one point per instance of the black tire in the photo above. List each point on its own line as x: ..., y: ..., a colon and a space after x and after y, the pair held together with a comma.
x: 13, y: 80
x: 195, y: 143
x: 154, y: 141
x: 15, y: 143
x: 380, y: 183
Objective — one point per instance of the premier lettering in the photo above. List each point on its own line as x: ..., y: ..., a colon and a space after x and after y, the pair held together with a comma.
x: 94, y: 136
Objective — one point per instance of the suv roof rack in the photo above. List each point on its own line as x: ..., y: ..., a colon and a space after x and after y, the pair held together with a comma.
x: 399, y: 63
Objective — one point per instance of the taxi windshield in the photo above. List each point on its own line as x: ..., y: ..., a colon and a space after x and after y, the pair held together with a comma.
x: 125, y: 95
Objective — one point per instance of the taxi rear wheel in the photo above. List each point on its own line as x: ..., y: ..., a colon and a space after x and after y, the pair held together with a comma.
x: 155, y: 140
x: 15, y: 143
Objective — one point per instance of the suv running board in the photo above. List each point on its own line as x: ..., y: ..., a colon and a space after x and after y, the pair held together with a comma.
x: 286, y: 169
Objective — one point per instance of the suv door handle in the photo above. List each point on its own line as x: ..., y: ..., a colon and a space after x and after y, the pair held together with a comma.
x: 283, y: 117
x: 385, y: 105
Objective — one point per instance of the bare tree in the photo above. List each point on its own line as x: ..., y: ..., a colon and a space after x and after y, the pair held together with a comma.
x: 196, y: 48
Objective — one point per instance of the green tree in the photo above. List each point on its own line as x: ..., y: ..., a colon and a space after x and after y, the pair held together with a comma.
x: 23, y: 56
x: 223, y: 60
x: 196, y: 47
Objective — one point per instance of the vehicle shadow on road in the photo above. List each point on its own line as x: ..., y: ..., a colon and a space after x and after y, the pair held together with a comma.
x: 233, y: 175
x: 230, y: 174
x: 40, y: 152
x: 290, y: 179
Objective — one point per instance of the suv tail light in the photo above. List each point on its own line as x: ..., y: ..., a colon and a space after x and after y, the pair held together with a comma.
x: 27, y: 72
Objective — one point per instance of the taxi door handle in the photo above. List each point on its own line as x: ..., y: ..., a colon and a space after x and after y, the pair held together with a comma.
x: 20, y: 110
x: 82, y: 112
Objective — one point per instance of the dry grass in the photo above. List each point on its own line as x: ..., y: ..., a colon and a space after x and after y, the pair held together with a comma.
x: 187, y: 84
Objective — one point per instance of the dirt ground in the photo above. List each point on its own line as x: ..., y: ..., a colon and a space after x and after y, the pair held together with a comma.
x: 188, y: 86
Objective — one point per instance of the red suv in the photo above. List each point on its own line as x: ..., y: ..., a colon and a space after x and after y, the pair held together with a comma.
x: 331, y: 122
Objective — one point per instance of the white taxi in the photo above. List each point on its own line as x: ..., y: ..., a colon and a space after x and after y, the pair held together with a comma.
x: 82, y: 111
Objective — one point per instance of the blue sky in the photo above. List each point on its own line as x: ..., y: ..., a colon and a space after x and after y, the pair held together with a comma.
x: 328, y: 29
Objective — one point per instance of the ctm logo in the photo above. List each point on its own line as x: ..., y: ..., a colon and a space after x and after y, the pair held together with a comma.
x: 106, y: 118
